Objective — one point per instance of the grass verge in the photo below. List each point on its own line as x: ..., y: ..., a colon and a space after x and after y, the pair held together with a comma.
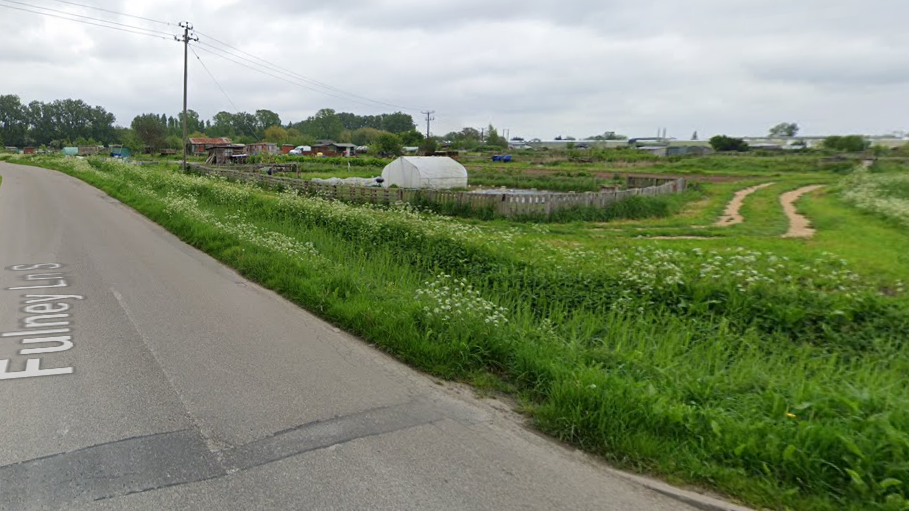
x: 775, y: 378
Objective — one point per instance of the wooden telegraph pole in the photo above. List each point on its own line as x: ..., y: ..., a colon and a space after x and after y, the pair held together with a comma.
x: 187, y: 37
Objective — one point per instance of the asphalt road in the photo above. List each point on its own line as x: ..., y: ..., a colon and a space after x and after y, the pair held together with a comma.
x: 142, y: 374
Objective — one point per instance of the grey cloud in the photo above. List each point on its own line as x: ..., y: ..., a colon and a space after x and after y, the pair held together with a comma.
x: 540, y: 68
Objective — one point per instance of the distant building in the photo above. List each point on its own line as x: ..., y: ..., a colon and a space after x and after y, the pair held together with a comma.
x: 332, y: 148
x: 200, y: 146
x: 262, y: 148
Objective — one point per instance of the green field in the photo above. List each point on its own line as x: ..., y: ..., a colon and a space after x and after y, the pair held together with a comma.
x: 770, y: 369
x: 623, y: 162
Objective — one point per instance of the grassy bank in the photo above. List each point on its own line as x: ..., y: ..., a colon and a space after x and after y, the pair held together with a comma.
x: 773, y: 375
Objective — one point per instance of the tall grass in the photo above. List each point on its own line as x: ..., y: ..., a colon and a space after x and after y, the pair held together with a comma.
x: 779, y: 380
x: 884, y: 191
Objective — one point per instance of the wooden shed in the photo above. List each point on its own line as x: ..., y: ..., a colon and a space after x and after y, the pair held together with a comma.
x: 227, y: 154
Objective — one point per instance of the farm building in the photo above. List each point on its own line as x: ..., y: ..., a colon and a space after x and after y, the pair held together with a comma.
x: 425, y: 172
x: 261, y: 148
x: 199, y: 146
x: 332, y: 148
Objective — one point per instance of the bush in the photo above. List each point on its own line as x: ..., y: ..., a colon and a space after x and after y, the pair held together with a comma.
x: 721, y: 143
x: 850, y: 143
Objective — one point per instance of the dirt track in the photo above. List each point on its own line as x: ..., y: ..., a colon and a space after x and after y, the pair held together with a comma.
x: 799, y: 226
x: 731, y: 215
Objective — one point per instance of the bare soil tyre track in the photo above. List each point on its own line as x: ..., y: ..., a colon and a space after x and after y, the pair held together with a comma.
x: 731, y: 215
x: 799, y: 226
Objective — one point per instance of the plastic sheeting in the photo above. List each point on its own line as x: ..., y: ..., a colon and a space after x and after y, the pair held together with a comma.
x: 350, y: 181
x: 433, y: 172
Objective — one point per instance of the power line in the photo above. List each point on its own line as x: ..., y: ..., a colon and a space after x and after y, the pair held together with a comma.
x: 87, y: 22
x: 115, y: 12
x: 213, y: 79
x: 285, y: 71
x: 276, y: 69
x: 221, y: 55
x: 302, y: 77
x: 86, y: 17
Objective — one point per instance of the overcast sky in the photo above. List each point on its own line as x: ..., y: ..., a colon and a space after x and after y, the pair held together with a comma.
x: 539, y: 68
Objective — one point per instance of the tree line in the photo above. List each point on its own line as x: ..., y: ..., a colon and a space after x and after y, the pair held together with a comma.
x: 54, y: 123
x: 73, y: 122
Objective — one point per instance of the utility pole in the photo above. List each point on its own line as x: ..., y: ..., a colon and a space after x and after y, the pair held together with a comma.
x: 429, y: 119
x: 187, y: 28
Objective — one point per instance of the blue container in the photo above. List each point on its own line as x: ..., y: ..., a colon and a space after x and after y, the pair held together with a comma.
x: 506, y: 159
x: 496, y: 158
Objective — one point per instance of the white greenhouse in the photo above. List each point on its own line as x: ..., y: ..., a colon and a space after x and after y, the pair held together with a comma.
x: 434, y: 172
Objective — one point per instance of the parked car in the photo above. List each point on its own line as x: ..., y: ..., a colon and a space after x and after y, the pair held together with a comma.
x: 300, y: 149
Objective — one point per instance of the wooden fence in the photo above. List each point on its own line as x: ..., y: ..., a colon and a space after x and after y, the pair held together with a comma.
x: 507, y: 203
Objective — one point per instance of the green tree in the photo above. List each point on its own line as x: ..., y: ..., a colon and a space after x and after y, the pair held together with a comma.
x: 411, y: 138
x: 276, y: 134
x: 13, y: 123
x: 494, y: 139
x: 722, y: 143
x: 850, y: 143
x: 266, y: 119
x: 364, y: 136
x: 130, y: 139
x: 193, y: 124
x: 389, y: 144
x: 397, y: 122
x: 428, y: 146
x: 784, y: 130
x: 246, y: 125
x: 325, y: 125
x: 150, y: 131
x: 295, y: 138
x: 222, y: 125
x: 174, y: 142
